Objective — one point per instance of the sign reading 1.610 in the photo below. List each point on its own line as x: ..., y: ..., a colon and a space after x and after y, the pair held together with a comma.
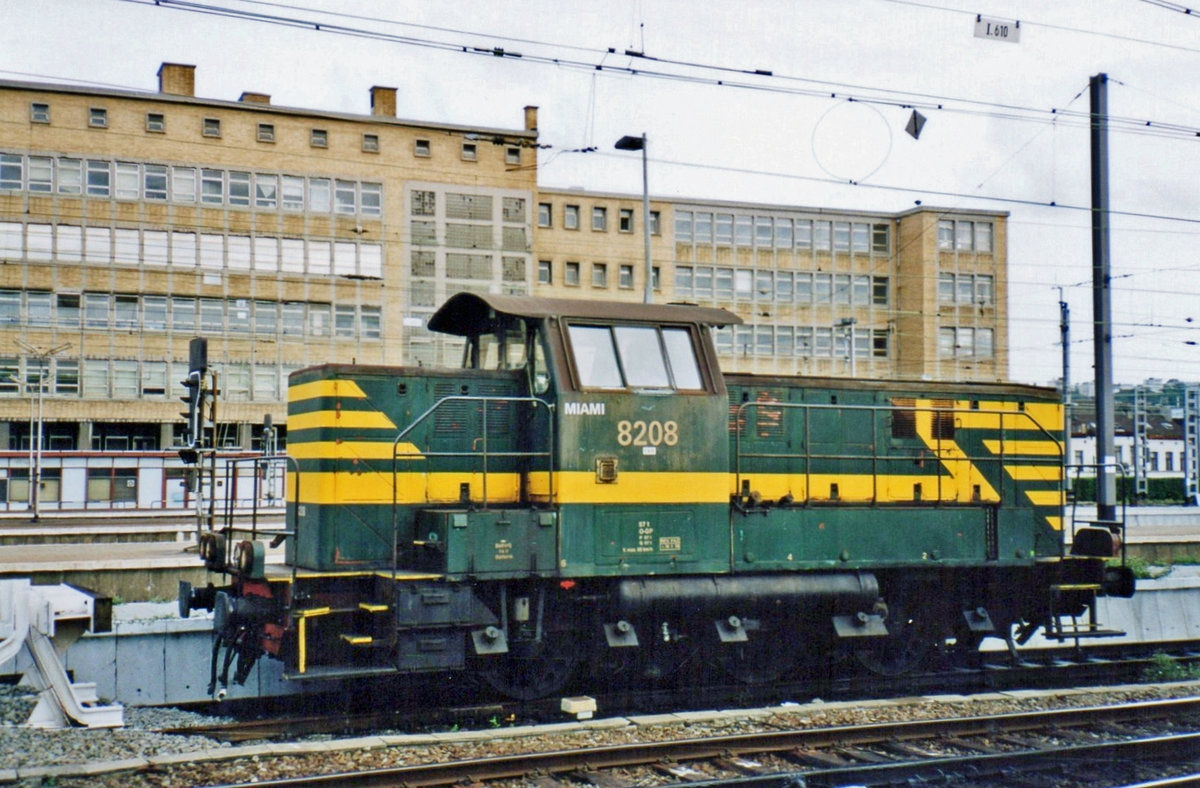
x: 998, y: 29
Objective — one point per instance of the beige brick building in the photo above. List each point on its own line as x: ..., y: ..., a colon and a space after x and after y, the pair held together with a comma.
x: 918, y: 295
x: 131, y: 222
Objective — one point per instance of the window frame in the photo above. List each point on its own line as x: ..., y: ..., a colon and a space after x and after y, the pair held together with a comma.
x: 670, y: 356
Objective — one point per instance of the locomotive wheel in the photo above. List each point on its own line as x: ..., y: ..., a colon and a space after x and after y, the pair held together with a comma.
x: 530, y: 669
x: 911, y: 634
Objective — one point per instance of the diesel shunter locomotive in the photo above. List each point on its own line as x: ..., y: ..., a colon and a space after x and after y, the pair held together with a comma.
x: 589, y: 495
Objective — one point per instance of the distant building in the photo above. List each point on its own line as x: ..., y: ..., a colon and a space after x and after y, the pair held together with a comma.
x: 131, y: 222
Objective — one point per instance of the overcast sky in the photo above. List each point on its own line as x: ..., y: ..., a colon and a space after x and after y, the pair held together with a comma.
x: 1004, y: 130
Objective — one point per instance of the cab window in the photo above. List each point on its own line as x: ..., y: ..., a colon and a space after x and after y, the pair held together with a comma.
x: 635, y: 357
x: 503, y: 349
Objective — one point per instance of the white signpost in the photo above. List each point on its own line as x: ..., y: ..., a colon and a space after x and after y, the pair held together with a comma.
x: 998, y: 29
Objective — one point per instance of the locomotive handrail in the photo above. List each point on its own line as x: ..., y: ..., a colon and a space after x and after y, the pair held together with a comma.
x: 229, y: 528
x: 483, y: 455
x: 485, y: 400
x: 807, y: 456
x: 1122, y: 472
x: 231, y: 476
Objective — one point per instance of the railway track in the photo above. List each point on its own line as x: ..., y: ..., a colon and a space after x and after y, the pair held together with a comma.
x: 977, y: 750
x: 1048, y: 668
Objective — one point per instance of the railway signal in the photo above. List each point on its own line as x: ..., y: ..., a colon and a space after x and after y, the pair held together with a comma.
x: 195, y: 400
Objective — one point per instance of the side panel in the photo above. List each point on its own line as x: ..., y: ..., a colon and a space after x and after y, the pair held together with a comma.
x: 830, y: 476
x: 643, y: 485
x: 343, y: 424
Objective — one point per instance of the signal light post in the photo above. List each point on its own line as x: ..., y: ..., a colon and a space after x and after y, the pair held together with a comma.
x: 199, y: 398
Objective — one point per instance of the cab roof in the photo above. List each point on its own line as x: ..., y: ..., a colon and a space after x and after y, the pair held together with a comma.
x: 469, y: 314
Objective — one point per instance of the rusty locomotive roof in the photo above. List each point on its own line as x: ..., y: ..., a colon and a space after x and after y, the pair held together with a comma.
x: 467, y: 314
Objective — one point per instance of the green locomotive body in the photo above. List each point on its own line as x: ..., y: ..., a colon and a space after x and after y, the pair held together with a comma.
x: 589, y: 489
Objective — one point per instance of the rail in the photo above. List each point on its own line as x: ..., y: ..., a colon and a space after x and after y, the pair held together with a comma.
x: 938, y: 449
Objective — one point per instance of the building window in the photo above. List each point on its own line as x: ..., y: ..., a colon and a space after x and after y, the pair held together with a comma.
x: 571, y: 217
x: 239, y: 189
x: 964, y: 236
x: 625, y: 277
x: 212, y: 127
x: 70, y: 176
x: 625, y: 220
x: 39, y: 112
x: 571, y: 274
x: 512, y: 155
x: 655, y: 223
x: 154, y: 186
x: 879, y: 343
x: 965, y: 343
x: 156, y: 122
x: 266, y: 132
x: 11, y: 171
x: 98, y: 118
x: 545, y: 272
x: 343, y: 196
x: 99, y: 178
x: 370, y: 143
x: 371, y: 199
x: 966, y: 289
x: 545, y: 214
x: 421, y: 148
x: 318, y: 138
x: 599, y: 219
x: 879, y: 238
x: 879, y: 290
x: 469, y: 151
x: 599, y: 275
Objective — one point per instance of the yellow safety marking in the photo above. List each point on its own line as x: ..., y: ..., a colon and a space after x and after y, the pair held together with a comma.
x: 372, y: 608
x: 340, y: 419
x: 1048, y: 416
x: 357, y: 640
x: 313, y: 611
x: 302, y: 638
x: 1045, y: 497
x: 643, y: 487
x: 860, y: 488
x: 375, y: 487
x: 353, y: 450
x: 1055, y: 523
x: 958, y: 466
x: 330, y: 387
x: 1020, y: 447
x: 1035, y: 473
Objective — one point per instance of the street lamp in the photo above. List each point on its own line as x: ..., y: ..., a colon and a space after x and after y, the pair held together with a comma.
x: 35, y: 453
x: 639, y: 143
x: 848, y: 323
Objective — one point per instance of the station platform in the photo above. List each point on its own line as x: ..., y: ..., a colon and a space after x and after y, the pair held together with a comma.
x: 137, y: 571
